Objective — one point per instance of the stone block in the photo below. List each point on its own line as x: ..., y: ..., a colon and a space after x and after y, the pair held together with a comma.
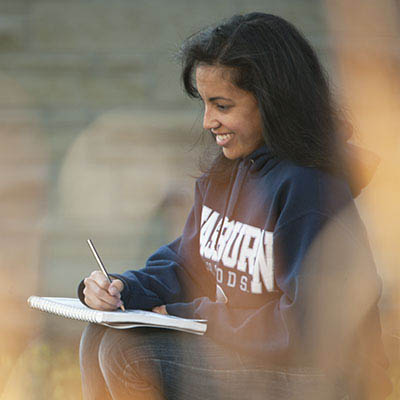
x: 14, y: 7
x: 23, y: 183
x: 67, y: 250
x: 79, y: 90
x: 22, y: 142
x: 167, y: 88
x: 124, y: 164
x: 13, y: 94
x: 12, y: 32
x: 306, y: 15
x: 76, y: 80
x: 75, y: 63
x: 99, y: 26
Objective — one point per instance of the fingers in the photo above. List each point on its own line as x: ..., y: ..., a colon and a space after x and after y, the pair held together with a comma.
x: 99, y: 304
x: 160, y: 310
x: 116, y: 287
x: 100, y: 294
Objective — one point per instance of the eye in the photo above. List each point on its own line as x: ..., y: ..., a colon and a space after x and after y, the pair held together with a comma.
x: 222, y: 107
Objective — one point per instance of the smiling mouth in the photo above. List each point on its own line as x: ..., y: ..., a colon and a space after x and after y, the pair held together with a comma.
x: 223, y: 139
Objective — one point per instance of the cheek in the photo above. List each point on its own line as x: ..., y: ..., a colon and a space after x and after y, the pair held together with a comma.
x: 252, y: 132
x: 252, y: 125
x: 257, y: 127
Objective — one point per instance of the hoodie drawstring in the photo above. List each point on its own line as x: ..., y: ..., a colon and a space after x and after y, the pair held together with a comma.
x: 229, y: 196
x: 231, y: 181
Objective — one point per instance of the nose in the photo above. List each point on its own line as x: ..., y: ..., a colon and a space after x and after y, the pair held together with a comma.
x: 209, y: 120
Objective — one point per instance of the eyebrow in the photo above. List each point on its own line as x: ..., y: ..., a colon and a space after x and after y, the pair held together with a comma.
x: 218, y: 98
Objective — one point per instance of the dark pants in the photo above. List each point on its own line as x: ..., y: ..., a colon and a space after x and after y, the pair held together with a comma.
x: 147, y: 363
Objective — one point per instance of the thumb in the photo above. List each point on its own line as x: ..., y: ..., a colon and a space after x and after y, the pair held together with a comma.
x: 116, y: 287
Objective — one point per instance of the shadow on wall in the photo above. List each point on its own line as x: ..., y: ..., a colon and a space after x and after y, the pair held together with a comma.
x: 124, y: 163
x: 127, y: 183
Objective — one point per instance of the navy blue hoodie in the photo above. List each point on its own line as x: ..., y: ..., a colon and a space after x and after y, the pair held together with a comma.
x: 278, y: 261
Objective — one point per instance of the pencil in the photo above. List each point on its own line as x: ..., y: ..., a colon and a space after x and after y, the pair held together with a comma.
x: 101, y: 265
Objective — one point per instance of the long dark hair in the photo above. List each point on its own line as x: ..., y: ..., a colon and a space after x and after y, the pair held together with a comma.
x: 273, y: 61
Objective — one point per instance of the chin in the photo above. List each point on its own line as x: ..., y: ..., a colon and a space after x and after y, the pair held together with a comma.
x: 231, y: 155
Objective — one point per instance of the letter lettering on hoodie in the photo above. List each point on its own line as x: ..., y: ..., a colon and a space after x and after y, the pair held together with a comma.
x: 231, y: 251
x: 249, y: 248
x: 207, y: 229
x: 231, y: 279
x: 211, y: 251
x: 225, y: 235
x: 264, y: 265
x: 205, y: 213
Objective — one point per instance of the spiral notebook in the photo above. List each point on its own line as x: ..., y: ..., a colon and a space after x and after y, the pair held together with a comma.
x: 74, y: 309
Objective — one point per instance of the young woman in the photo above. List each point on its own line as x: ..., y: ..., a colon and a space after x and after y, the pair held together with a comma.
x: 273, y: 254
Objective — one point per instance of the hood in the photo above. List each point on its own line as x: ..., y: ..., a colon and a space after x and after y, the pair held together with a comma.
x: 361, y: 165
x: 261, y: 158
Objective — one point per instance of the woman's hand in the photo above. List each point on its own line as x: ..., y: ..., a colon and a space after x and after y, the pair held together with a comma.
x: 100, y: 294
x: 160, y: 310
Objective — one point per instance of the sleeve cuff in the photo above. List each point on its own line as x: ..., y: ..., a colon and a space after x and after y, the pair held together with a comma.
x: 81, y: 296
x: 187, y: 310
x: 134, y: 297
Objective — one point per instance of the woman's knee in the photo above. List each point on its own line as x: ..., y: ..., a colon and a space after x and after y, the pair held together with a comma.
x: 111, y: 350
x: 118, y: 356
x: 123, y: 360
x: 90, y: 342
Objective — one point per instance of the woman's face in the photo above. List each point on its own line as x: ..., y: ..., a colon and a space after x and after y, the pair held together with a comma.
x: 230, y: 113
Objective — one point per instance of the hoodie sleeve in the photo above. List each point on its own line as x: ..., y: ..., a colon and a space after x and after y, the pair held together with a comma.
x: 328, y: 292
x: 174, y: 273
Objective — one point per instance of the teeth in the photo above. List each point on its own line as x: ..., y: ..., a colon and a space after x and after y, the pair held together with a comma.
x: 224, y: 137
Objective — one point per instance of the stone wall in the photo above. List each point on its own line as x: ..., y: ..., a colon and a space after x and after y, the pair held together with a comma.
x: 95, y: 86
